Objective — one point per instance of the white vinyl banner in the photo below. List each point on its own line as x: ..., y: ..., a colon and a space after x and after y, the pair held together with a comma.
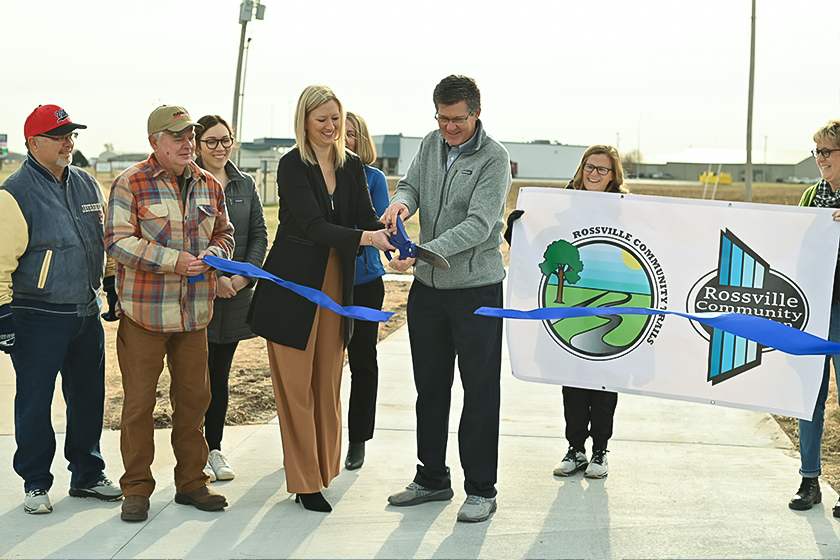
x: 592, y: 249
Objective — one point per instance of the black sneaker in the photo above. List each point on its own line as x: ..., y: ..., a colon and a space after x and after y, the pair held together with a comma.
x: 598, y: 465
x: 571, y: 463
x: 104, y: 490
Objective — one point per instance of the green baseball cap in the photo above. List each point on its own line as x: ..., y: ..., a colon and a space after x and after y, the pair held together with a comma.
x: 170, y: 118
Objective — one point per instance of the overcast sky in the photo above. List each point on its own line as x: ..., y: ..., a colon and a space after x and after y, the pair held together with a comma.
x: 567, y: 70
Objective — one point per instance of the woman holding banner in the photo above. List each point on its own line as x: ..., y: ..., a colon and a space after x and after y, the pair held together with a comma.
x: 824, y: 194
x: 214, y: 144
x: 323, y: 199
x: 589, y: 413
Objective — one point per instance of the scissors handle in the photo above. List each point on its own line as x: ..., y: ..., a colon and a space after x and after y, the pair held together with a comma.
x: 400, y: 240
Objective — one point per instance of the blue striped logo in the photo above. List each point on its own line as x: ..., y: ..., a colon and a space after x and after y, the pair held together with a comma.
x: 743, y: 283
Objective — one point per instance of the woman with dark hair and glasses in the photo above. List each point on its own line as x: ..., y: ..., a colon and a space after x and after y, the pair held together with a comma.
x: 369, y: 291
x: 588, y: 412
x: 825, y: 194
x: 214, y: 144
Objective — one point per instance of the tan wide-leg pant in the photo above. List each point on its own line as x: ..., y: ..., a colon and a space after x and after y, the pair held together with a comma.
x: 307, y: 387
x: 141, y: 353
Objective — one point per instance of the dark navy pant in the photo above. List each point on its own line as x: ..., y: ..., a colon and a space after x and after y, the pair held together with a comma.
x: 364, y: 369
x: 441, y: 326
x: 46, y: 344
x: 219, y: 362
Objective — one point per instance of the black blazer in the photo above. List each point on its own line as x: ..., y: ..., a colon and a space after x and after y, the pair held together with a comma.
x: 302, y: 245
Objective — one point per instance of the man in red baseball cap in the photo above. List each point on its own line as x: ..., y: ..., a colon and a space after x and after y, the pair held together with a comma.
x: 49, y: 120
x: 51, y: 275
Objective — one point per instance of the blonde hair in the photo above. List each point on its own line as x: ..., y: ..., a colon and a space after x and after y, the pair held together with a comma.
x: 365, y: 148
x: 617, y: 183
x: 829, y: 133
x: 310, y: 99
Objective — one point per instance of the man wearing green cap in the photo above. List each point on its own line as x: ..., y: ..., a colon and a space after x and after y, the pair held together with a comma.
x: 164, y: 215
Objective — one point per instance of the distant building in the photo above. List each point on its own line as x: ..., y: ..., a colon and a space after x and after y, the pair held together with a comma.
x: 779, y: 166
x: 108, y: 161
x: 540, y: 159
x: 262, y: 154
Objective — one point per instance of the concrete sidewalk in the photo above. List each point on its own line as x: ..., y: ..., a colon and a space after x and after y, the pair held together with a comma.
x: 686, y: 481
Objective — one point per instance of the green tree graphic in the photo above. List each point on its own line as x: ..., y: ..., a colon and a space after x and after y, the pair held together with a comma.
x: 563, y: 259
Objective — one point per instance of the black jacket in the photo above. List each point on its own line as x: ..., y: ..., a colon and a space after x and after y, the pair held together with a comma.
x: 245, y: 212
x: 302, y: 245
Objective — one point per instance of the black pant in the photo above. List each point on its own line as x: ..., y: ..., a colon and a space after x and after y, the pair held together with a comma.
x: 441, y: 326
x: 219, y: 360
x: 588, y: 413
x: 364, y: 371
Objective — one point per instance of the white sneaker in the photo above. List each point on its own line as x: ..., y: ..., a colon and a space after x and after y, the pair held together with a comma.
x: 571, y: 463
x: 476, y: 508
x: 37, y: 501
x: 208, y: 470
x: 598, y: 467
x: 220, y: 466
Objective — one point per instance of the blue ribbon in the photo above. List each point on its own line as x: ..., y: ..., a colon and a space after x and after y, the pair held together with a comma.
x: 317, y: 297
x: 763, y: 331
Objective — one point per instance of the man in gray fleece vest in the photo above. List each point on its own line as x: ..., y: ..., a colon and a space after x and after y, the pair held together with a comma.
x: 459, y: 180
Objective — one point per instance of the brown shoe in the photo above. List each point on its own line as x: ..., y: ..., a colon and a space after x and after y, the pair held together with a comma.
x: 202, y: 498
x: 135, y: 508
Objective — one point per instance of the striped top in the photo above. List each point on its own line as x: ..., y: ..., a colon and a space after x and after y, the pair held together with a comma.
x: 146, y: 228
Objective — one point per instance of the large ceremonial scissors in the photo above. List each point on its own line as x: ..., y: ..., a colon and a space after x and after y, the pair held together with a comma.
x: 409, y: 249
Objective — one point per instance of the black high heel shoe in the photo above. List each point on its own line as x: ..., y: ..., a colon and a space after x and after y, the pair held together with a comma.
x: 314, y: 502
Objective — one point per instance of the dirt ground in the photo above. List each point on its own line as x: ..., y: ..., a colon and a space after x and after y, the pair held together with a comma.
x: 251, y: 393
x: 252, y: 396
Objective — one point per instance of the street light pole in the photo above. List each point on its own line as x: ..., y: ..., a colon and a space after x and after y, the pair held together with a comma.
x: 246, y: 12
x: 238, y: 128
x: 749, y: 171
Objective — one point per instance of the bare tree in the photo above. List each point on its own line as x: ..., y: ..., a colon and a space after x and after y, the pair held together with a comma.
x: 631, y: 162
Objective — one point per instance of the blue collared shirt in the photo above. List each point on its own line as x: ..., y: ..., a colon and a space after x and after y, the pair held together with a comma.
x: 455, y: 151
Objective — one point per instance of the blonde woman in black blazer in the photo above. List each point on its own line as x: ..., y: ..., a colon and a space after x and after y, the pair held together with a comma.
x: 323, y: 199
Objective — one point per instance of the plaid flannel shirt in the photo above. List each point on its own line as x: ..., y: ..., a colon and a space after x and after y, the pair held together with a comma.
x: 146, y: 229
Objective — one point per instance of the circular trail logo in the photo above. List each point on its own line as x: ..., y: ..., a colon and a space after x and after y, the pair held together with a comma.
x: 602, y: 271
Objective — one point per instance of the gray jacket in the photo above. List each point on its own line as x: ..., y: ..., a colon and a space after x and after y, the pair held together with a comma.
x: 461, y: 210
x: 250, y: 240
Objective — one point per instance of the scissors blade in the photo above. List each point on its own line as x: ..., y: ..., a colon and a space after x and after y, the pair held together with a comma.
x: 432, y: 258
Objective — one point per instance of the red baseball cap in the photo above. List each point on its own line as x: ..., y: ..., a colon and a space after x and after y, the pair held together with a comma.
x: 49, y: 119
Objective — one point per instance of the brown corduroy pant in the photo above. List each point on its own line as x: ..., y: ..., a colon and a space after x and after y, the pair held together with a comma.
x: 307, y: 386
x: 141, y: 353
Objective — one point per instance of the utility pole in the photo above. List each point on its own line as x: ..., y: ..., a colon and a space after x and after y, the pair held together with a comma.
x: 749, y: 170
x: 238, y: 128
x: 246, y: 12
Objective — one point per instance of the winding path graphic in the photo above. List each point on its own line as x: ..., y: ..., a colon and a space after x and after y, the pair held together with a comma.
x: 592, y: 341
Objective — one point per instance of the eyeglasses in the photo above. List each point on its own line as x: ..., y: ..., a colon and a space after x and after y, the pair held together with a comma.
x: 456, y: 120
x: 825, y: 152
x: 226, y: 142
x: 61, y: 139
x: 601, y: 170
